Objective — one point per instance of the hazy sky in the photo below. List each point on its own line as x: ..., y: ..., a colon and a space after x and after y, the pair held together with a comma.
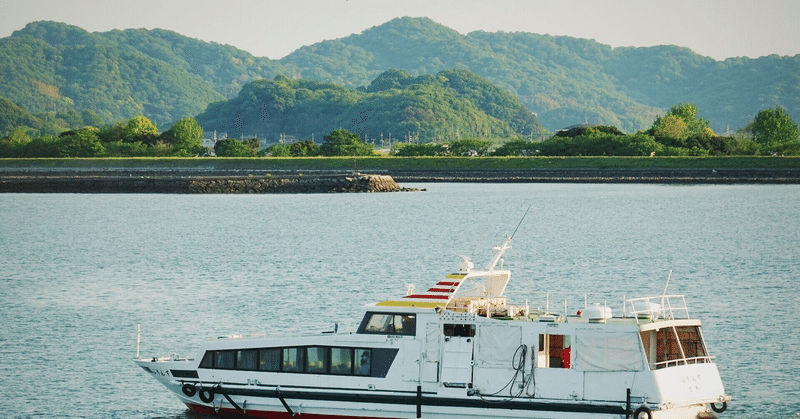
x: 269, y: 28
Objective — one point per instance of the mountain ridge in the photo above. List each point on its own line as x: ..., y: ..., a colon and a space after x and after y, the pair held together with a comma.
x: 58, y: 68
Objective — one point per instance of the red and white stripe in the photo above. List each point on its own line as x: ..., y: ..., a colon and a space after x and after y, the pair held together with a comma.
x: 443, y: 290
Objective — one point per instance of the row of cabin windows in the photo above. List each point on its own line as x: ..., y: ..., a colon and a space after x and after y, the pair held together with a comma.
x: 304, y: 359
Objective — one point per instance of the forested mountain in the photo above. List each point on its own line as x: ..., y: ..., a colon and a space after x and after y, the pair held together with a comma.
x: 568, y: 80
x: 57, y: 71
x: 450, y: 105
x: 52, y: 68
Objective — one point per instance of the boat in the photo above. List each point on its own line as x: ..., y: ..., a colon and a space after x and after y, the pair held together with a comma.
x: 459, y: 349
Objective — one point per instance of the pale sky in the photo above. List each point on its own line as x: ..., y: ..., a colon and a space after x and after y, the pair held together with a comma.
x: 269, y: 28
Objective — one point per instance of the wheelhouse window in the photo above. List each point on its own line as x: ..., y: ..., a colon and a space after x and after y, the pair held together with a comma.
x: 389, y: 324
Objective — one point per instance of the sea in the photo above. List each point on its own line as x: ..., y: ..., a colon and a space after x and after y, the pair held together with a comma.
x: 81, y: 274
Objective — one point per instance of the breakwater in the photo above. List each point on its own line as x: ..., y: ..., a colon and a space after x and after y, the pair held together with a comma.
x: 183, y: 183
x: 211, y: 180
x: 604, y: 175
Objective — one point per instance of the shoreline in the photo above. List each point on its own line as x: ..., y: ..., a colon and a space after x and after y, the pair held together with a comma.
x: 210, y: 181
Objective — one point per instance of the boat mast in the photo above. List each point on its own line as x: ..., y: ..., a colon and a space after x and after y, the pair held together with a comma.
x: 500, y: 250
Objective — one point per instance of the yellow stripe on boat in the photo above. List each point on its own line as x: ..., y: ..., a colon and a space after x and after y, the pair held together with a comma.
x: 421, y: 304
x: 456, y: 276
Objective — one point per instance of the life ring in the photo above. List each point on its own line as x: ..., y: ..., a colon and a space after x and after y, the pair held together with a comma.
x: 206, y: 395
x: 645, y: 410
x: 719, y: 409
x: 189, y: 390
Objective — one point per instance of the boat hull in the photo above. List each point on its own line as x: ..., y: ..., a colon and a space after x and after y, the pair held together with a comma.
x: 279, y: 403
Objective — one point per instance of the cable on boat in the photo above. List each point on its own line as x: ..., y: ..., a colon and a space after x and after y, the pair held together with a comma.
x: 518, y: 364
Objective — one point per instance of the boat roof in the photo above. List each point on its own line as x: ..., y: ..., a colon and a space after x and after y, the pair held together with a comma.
x: 468, y: 284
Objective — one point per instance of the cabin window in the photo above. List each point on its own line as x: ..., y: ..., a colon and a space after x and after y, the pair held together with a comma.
x: 208, y: 360
x: 269, y: 359
x: 341, y: 361
x: 317, y: 360
x: 246, y: 359
x: 363, y: 362
x: 224, y: 360
x: 461, y: 330
x: 554, y: 351
x: 292, y: 360
x: 389, y: 324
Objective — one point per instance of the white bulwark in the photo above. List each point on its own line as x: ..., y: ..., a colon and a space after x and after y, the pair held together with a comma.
x: 460, y: 350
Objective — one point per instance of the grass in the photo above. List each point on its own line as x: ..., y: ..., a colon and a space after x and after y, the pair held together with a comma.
x: 365, y: 164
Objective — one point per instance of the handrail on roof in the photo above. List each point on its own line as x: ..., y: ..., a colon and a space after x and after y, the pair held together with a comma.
x: 663, y: 307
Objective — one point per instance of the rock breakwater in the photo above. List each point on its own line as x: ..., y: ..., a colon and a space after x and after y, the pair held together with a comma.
x: 138, y: 182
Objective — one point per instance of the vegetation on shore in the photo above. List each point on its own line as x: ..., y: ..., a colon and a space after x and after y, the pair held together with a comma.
x: 367, y: 163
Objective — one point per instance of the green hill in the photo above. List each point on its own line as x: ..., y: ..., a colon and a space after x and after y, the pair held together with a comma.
x: 568, y: 80
x: 57, y: 71
x: 451, y: 104
x: 54, y: 67
x: 12, y: 116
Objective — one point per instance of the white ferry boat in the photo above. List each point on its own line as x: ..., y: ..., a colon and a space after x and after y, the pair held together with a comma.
x: 460, y: 350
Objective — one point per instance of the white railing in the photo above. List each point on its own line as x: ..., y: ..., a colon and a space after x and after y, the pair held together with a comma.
x: 664, y: 307
x: 684, y: 361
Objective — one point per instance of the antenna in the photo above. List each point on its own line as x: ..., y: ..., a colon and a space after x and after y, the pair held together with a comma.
x: 664, y: 295
x: 520, y: 221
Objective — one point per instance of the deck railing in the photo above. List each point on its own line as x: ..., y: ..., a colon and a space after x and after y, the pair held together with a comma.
x: 684, y: 361
x: 663, y: 307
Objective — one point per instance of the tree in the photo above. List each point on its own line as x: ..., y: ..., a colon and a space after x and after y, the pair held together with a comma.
x: 672, y: 127
x: 81, y: 143
x: 231, y: 147
x: 341, y: 142
x: 471, y: 147
x: 186, y: 134
x: 688, y: 113
x: 304, y: 149
x: 429, y: 149
x: 774, y: 129
x: 91, y: 118
x: 278, y: 150
x: 516, y: 147
x: 139, y: 128
x: 12, y: 145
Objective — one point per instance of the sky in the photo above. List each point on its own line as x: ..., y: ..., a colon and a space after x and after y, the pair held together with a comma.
x: 269, y: 28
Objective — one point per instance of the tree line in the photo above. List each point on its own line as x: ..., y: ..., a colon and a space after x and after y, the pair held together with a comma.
x: 681, y: 132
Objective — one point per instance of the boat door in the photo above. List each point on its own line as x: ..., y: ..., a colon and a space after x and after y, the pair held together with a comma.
x: 457, y: 348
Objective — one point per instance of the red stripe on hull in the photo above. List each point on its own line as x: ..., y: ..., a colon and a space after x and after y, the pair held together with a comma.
x: 233, y: 413
x: 434, y: 297
x: 448, y: 290
x: 447, y: 284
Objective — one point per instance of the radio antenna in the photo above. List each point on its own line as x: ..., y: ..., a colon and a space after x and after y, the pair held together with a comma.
x: 520, y: 221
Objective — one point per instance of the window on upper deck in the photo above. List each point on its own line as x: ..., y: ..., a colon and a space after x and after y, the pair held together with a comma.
x: 671, y: 346
x: 389, y: 324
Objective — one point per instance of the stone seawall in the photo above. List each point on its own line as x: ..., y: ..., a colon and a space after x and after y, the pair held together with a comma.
x: 664, y: 176
x: 204, y: 184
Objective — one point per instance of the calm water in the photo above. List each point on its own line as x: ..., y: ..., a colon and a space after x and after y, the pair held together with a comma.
x: 79, y: 272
